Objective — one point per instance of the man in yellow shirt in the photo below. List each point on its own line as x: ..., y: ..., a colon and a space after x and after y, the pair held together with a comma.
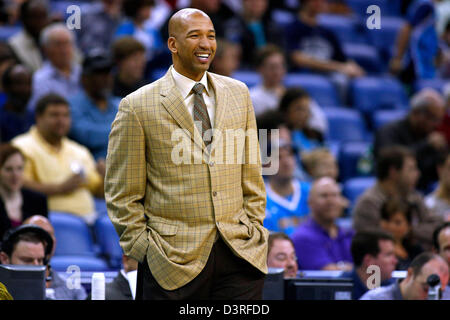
x: 58, y: 167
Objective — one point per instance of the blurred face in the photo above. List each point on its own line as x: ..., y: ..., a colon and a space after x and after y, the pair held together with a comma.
x: 430, y: 118
x: 229, y: 62
x: 286, y: 163
x: 133, y: 66
x: 444, y: 245
x: 144, y: 13
x: 282, y: 255
x: 298, y: 113
x: 444, y: 173
x: 11, y: 173
x: 398, y: 226
x: 326, y: 167
x: 316, y: 7
x: 55, y: 122
x: 26, y: 253
x: 98, y: 84
x: 417, y: 289
x: 194, y: 46
x: 60, y: 49
x: 36, y: 18
x: 273, y: 70
x: 409, y: 174
x: 254, y: 9
x: 19, y: 91
x: 385, y: 259
x: 325, y: 200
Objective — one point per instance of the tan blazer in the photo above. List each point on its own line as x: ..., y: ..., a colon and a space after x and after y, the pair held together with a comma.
x: 170, y: 212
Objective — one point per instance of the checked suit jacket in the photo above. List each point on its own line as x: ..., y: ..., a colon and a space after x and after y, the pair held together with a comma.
x: 170, y: 211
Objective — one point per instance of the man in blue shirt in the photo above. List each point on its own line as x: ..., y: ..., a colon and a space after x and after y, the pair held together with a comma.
x: 371, y: 248
x: 61, y: 72
x: 94, y: 108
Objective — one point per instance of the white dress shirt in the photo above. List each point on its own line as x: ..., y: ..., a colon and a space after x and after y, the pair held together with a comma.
x: 185, y: 85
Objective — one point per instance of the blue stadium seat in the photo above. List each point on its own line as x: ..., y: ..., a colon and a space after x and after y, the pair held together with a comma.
x: 318, y: 86
x: 7, y: 32
x: 437, y: 84
x: 381, y: 117
x: 366, y: 56
x: 72, y: 234
x: 250, y: 78
x: 62, y: 263
x: 387, y: 7
x: 354, y: 187
x: 100, y: 207
x: 368, y: 94
x: 350, y: 154
x: 384, y: 39
x: 345, y: 125
x: 108, y: 240
x: 343, y: 27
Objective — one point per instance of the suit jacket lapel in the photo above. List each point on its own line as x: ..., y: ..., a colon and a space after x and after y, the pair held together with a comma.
x: 174, y: 104
x: 221, y: 104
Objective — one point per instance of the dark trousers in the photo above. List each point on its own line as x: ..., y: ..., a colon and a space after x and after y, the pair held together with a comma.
x: 224, y: 277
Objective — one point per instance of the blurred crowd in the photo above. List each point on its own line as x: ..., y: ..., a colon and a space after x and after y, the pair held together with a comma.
x: 320, y: 80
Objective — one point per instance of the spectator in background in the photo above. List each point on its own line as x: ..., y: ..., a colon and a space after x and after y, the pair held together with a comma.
x: 94, y: 107
x: 227, y: 58
x: 295, y: 107
x: 439, y: 199
x: 98, y: 25
x: 444, y: 127
x: 281, y: 254
x: 137, y: 12
x: 16, y: 202
x: 129, y: 57
x: 271, y: 65
x: 417, y: 44
x: 314, y: 48
x: 60, y: 72
x: 54, y: 282
x: 441, y: 241
x: 417, y: 131
x: 320, y: 163
x: 34, y: 14
x: 396, y: 219
x: 6, y: 60
x: 320, y: 244
x: 397, y: 175
x: 287, y: 196
x: 414, y: 286
x: 256, y: 30
x: 57, y: 166
x: 444, y: 71
x: 15, y: 118
x: 371, y: 248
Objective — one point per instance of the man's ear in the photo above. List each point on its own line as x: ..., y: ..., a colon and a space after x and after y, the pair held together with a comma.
x: 172, y: 44
x: 4, y: 259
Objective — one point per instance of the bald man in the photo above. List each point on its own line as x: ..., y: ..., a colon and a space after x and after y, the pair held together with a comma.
x: 320, y: 244
x: 192, y: 219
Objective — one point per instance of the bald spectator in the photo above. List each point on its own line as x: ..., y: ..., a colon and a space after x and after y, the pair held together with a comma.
x: 397, y: 175
x: 61, y: 71
x: 15, y: 118
x: 281, y: 254
x: 320, y: 244
x: 417, y: 131
x: 129, y: 57
x: 58, y: 284
x: 414, y: 286
x: 34, y: 15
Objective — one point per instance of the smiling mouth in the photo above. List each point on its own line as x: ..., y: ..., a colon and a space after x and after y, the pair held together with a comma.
x: 203, y: 57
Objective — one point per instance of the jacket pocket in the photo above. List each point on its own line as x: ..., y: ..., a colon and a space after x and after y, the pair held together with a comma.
x: 162, y: 227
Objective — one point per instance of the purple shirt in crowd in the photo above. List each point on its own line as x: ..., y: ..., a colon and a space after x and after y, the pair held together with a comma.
x: 315, y: 249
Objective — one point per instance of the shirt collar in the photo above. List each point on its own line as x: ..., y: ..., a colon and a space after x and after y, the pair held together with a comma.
x: 185, y: 85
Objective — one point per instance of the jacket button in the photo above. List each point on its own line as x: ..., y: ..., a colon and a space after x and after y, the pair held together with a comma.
x: 214, y: 193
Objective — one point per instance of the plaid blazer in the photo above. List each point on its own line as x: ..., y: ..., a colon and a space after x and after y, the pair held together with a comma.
x: 170, y: 211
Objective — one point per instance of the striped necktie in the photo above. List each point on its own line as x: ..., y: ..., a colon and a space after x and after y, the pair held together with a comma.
x: 201, y: 117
